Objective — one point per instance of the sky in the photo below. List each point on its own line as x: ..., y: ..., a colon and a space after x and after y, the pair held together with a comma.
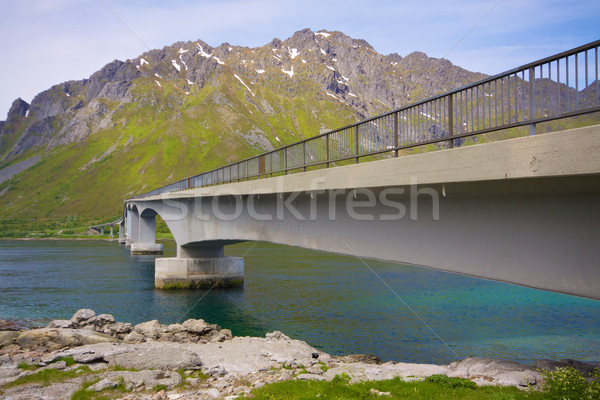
x: 46, y: 42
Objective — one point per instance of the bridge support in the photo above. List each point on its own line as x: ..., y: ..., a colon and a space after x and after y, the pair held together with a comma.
x: 199, y: 267
x: 143, y: 229
x: 122, y: 234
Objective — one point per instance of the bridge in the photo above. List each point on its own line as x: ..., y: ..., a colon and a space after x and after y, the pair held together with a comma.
x: 468, y: 182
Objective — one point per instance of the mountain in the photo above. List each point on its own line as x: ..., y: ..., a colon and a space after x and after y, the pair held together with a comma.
x: 80, y: 147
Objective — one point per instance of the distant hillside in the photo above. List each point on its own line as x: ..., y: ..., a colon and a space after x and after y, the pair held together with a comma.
x: 82, y: 146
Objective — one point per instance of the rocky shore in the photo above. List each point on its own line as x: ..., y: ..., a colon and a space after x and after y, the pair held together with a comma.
x: 197, y: 360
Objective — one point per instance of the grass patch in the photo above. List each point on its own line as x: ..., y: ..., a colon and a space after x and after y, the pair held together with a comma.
x: 27, y: 367
x: 106, y: 394
x: 339, y: 388
x: 49, y: 376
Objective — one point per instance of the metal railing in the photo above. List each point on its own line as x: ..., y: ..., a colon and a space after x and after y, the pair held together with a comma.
x: 560, y: 86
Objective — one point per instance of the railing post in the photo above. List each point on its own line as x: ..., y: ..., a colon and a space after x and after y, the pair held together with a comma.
x: 327, y: 148
x: 285, y: 163
x: 396, y: 134
x: 450, y: 122
x: 357, y: 144
x: 304, y: 154
x: 532, y: 111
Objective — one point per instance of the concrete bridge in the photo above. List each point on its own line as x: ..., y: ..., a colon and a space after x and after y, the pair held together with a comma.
x: 524, y: 210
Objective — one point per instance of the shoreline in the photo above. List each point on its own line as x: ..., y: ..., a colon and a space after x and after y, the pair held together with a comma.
x: 215, y: 363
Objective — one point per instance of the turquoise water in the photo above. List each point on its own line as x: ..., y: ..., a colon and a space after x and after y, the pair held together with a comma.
x: 333, y: 302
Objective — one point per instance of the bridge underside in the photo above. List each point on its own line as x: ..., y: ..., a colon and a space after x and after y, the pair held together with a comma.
x: 537, y: 228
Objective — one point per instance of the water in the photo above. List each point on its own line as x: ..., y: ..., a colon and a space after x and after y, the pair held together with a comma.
x: 333, y: 302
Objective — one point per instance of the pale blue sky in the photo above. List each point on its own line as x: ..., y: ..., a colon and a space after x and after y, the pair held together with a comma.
x: 45, y: 42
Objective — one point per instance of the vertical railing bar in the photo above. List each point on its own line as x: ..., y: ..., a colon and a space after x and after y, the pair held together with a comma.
x: 576, y: 81
x: 558, y: 85
x: 304, y: 155
x: 502, y: 103
x: 495, y: 102
x: 396, y: 133
x: 597, y: 81
x: 450, y: 121
x: 489, y: 104
x: 532, y: 111
x: 356, y: 144
x: 523, y: 102
x: 568, y: 90
x: 586, y: 73
x: 327, y: 149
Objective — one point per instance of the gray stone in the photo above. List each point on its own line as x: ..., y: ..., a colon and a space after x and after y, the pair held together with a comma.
x: 276, y: 335
x: 61, y: 323
x: 151, y: 329
x: 54, y: 338
x: 310, y: 377
x: 88, y: 358
x: 57, y: 365
x: 82, y: 315
x: 8, y: 337
x: 163, y: 356
x: 197, y: 326
x: 133, y: 337
x: 103, y: 384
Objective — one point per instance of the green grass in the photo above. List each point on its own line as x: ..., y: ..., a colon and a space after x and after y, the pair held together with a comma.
x: 49, y: 376
x: 340, y: 389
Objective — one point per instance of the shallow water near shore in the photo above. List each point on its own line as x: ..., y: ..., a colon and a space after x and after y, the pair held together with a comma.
x: 333, y: 302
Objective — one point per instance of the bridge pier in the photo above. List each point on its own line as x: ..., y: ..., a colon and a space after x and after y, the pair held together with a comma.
x: 143, y: 233
x: 199, y: 267
x: 122, y: 233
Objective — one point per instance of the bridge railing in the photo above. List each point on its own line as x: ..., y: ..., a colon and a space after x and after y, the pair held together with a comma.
x: 560, y: 86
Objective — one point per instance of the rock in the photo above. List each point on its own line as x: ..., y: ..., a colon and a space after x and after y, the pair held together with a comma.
x: 156, y: 355
x: 120, y: 329
x: 487, y: 371
x: 8, y: 337
x: 220, y: 336
x: 53, y: 338
x: 276, y: 335
x: 196, y: 326
x: 214, y: 393
x: 133, y: 337
x: 102, y: 385
x: 310, y: 377
x: 376, y: 392
x: 360, y: 358
x: 57, y: 365
x: 151, y: 329
x: 88, y: 358
x: 160, y: 396
x: 82, y: 316
x: 61, y: 323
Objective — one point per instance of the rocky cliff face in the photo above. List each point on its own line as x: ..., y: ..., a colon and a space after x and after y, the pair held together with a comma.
x: 328, y: 66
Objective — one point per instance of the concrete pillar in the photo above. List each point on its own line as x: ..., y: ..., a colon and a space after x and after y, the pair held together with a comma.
x: 145, y: 242
x: 128, y: 228
x: 199, y: 267
x: 122, y: 236
x: 111, y: 231
x: 102, y: 230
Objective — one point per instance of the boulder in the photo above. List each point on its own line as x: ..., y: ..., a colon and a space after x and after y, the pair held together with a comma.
x: 155, y: 355
x: 54, y: 338
x: 61, y: 323
x: 197, y: 326
x: 81, y: 316
x: 8, y: 338
x: 151, y: 329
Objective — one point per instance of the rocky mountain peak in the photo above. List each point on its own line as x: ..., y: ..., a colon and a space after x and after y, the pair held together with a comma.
x: 18, y: 110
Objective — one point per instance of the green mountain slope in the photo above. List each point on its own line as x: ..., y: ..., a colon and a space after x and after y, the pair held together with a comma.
x: 188, y: 108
